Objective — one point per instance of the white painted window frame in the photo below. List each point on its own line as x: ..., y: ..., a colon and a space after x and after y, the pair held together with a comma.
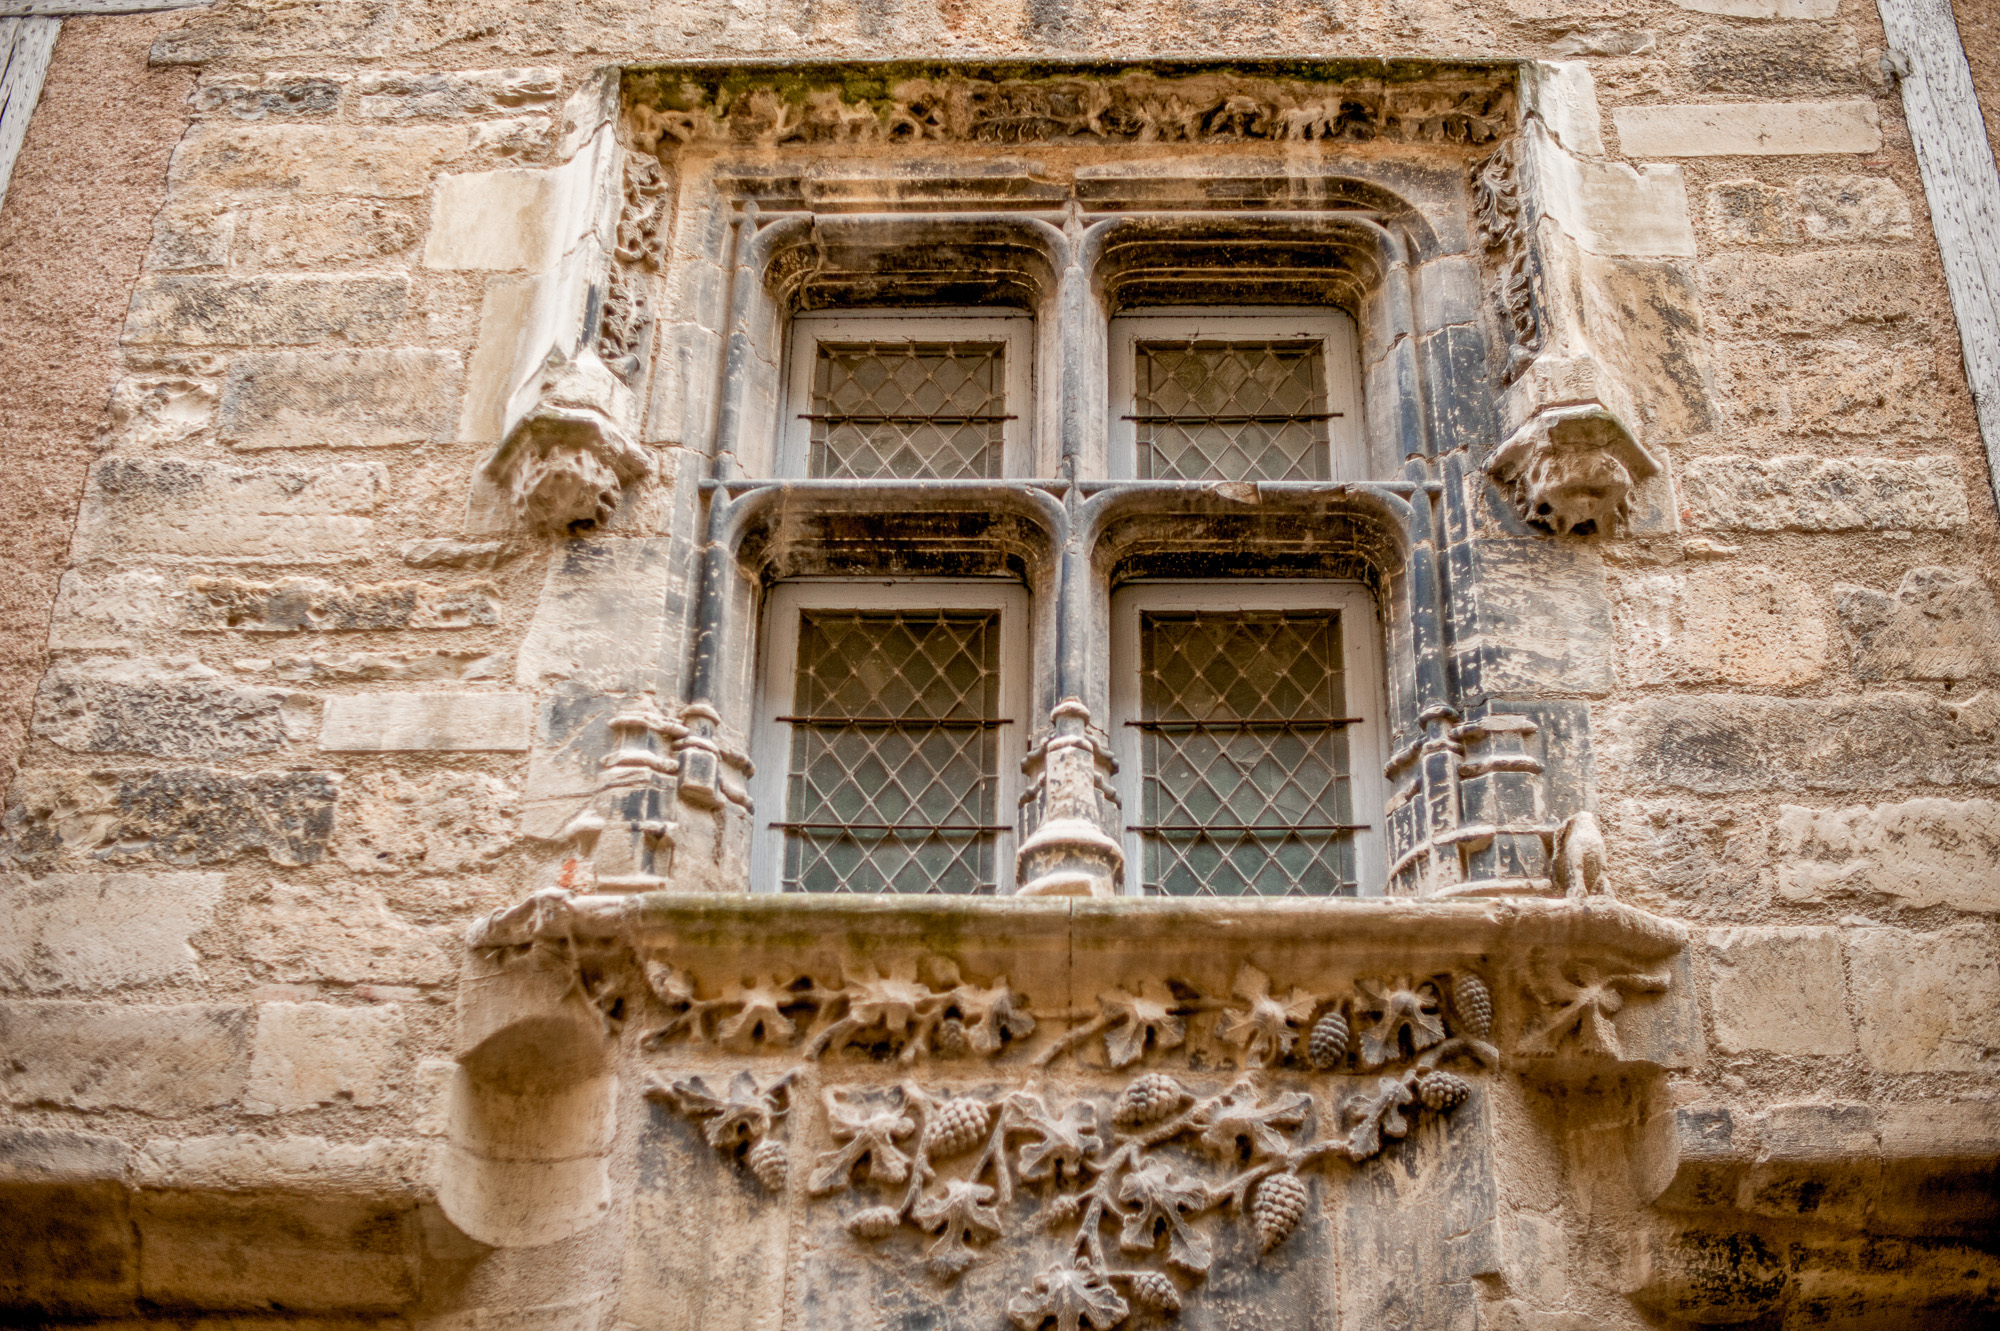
x: 1015, y: 331
x: 771, y: 744
x: 1361, y: 652
x: 1346, y: 437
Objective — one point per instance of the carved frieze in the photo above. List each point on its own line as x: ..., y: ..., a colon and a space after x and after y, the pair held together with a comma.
x: 1500, y: 211
x: 696, y: 108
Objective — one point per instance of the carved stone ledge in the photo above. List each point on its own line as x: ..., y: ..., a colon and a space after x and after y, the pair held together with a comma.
x: 1580, y: 983
x: 1570, y: 469
x: 566, y: 460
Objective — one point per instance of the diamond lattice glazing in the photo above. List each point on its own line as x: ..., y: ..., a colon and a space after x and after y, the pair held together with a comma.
x: 894, y: 761
x: 1244, y: 789
x: 908, y: 410
x: 1233, y: 411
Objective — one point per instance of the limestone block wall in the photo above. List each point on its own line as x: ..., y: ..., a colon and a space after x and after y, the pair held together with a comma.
x: 315, y: 699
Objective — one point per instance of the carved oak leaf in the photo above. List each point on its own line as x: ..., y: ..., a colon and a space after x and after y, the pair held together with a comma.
x: 1267, y: 1030
x: 865, y: 1131
x: 1162, y: 1200
x: 1377, y: 1116
x: 740, y: 1118
x: 671, y: 985
x: 1063, y: 1147
x: 1237, y: 1127
x: 1138, y: 1019
x: 1070, y: 1297
x: 963, y: 1213
x: 891, y: 999
x: 991, y: 1015
x: 758, y: 1016
x: 1392, y: 1007
x: 1585, y: 1000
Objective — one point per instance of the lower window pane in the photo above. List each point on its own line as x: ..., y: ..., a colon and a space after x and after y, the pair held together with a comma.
x: 894, y: 759
x: 1245, y: 785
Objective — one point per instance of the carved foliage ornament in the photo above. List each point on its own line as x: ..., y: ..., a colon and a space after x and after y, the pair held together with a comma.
x: 1505, y: 226
x: 677, y: 108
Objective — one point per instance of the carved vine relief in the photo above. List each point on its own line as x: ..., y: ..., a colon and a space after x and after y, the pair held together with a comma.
x: 1118, y: 1181
x: 938, y: 1111
x: 1130, y: 108
x: 1499, y: 210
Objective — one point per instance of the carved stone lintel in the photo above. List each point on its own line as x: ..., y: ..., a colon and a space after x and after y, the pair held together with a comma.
x: 1571, y: 469
x: 1069, y: 853
x: 567, y: 460
x: 693, y: 107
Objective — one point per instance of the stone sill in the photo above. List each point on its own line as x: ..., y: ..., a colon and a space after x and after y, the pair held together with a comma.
x: 1162, y: 932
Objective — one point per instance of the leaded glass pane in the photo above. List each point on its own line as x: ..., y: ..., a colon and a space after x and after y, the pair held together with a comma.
x: 894, y: 763
x: 908, y: 410
x: 1245, y: 785
x: 1232, y: 411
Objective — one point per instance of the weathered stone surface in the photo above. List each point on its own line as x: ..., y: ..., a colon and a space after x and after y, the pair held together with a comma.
x: 255, y: 96
x: 1854, y: 208
x: 254, y: 1252
x: 265, y: 311
x: 298, y: 605
x: 192, y: 815
x: 1546, y: 614
x: 376, y: 667
x: 1685, y: 856
x: 496, y: 220
x: 1821, y: 291
x: 181, y: 510
x: 191, y: 234
x: 165, y: 1060
x: 66, y: 1241
x: 445, y: 553
x: 1745, y: 625
x: 1767, y: 63
x: 102, y: 931
x: 165, y: 709
x: 244, y: 1162
x: 593, y: 622
x: 1717, y: 744
x: 171, y: 399
x: 403, y: 96
x: 326, y: 233
x: 1833, y: 387
x: 1749, y: 212
x: 339, y: 399
x: 1926, y: 1002
x: 341, y: 933
x: 1748, y: 129
x: 1807, y: 9
x: 441, y: 824
x: 387, y: 722
x: 1799, y: 492
x: 1939, y: 623
x: 106, y: 614
x: 1920, y: 852
x: 310, y: 1054
x: 1780, y: 991
x: 368, y: 162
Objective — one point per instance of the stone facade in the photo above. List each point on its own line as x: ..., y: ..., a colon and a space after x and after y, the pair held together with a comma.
x: 386, y: 930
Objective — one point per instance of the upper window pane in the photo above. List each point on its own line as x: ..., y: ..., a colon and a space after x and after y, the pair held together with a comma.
x: 894, y: 767
x: 886, y: 396
x: 1233, y: 411
x: 1235, y: 395
x: 1243, y: 742
x: 908, y: 410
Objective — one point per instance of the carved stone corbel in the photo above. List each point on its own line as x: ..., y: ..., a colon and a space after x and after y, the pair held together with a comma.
x: 567, y: 460
x: 1570, y: 469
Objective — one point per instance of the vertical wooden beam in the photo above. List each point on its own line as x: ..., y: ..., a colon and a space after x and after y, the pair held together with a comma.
x: 25, y: 47
x: 1961, y: 185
